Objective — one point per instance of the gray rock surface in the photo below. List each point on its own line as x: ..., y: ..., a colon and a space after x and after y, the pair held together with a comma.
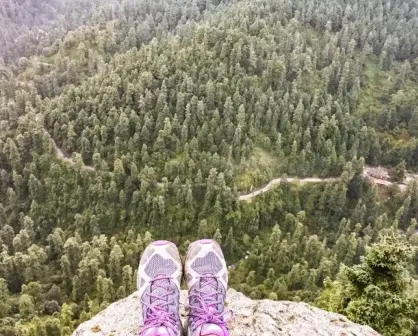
x: 251, y: 318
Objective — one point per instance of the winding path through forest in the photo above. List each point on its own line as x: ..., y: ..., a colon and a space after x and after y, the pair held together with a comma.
x: 247, y: 197
x: 366, y: 173
x: 275, y: 182
x: 60, y: 154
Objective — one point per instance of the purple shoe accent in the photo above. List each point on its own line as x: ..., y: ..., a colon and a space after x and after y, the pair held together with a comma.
x: 201, y: 241
x: 160, y: 331
x: 159, y: 274
x: 206, y: 273
x: 207, y: 307
x: 205, y: 241
x: 212, y: 330
x: 159, y: 319
x: 160, y: 242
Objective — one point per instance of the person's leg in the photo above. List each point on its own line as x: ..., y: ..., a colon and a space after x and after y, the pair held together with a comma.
x: 159, y: 276
x: 207, y: 279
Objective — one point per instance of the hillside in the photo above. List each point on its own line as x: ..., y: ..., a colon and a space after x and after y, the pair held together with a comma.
x: 127, y: 121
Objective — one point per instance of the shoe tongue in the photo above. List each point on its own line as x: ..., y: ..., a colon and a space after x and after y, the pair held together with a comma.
x: 157, y: 290
x: 209, y: 286
x: 158, y: 331
x: 212, y: 329
x: 209, y: 282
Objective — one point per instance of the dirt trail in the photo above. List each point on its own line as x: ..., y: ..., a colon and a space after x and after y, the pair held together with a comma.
x: 60, y: 154
x: 277, y: 181
x: 366, y: 173
x: 247, y: 197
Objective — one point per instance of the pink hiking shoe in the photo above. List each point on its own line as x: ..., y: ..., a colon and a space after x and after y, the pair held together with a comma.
x: 207, y: 279
x: 159, y: 276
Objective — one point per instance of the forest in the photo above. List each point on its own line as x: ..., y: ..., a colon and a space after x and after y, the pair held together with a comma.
x: 124, y: 121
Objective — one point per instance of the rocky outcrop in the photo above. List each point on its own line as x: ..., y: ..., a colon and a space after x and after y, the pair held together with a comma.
x: 251, y: 318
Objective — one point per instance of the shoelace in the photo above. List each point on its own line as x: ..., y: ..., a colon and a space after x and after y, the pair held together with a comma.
x: 206, y: 311
x: 158, y: 315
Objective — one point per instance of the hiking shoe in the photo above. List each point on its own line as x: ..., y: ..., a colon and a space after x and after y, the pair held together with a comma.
x: 159, y: 276
x: 207, y: 279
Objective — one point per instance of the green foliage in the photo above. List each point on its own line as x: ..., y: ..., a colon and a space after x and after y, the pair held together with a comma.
x: 121, y: 121
x: 378, y: 292
x: 388, y: 104
x: 397, y: 174
x: 4, y: 299
x: 26, y: 306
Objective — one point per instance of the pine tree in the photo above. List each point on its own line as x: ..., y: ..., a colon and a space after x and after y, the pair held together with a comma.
x: 229, y: 244
x: 218, y: 237
x: 26, y: 306
x: 4, y: 297
x: 115, y: 264
x: 377, y: 290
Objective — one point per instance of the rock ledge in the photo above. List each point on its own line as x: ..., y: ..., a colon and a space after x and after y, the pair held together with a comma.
x: 251, y: 318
